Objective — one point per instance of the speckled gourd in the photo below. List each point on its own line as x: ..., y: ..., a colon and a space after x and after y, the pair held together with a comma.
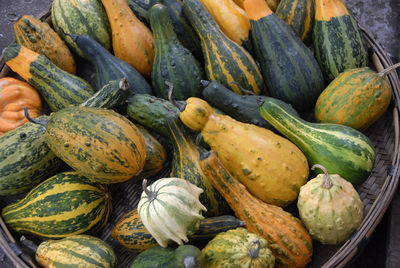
x: 271, y: 167
x: 330, y: 208
x: 237, y: 248
x: 170, y: 209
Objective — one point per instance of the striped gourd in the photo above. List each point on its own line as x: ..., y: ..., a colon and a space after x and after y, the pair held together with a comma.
x: 77, y: 250
x: 81, y: 17
x: 170, y: 209
x: 130, y: 232
x: 337, y: 39
x: 185, y: 165
x: 340, y: 149
x: 63, y: 205
x: 299, y: 14
x: 99, y: 143
x: 41, y: 38
x: 172, y: 61
x: 225, y: 61
x: 59, y: 88
x: 25, y: 159
x: 289, y: 68
x: 355, y: 98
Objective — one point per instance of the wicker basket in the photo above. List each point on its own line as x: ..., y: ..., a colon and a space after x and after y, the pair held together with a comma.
x: 376, y: 192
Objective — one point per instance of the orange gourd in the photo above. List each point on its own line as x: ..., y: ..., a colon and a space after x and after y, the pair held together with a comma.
x: 132, y: 41
x: 14, y: 96
x: 41, y: 38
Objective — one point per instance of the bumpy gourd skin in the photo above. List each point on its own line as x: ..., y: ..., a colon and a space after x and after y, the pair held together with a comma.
x: 330, y: 215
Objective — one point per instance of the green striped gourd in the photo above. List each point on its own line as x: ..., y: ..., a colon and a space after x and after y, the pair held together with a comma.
x: 59, y: 88
x: 289, y: 68
x: 225, y: 61
x: 130, y: 232
x: 100, y: 144
x: 63, y: 205
x: 355, y: 98
x: 81, y: 17
x: 299, y: 14
x: 340, y: 149
x: 185, y: 165
x: 172, y: 61
x: 170, y: 209
x: 77, y: 250
x: 337, y: 39
x: 26, y: 159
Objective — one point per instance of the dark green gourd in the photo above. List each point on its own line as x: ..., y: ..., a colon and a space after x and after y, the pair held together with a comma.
x: 289, y: 68
x: 172, y: 61
x: 225, y: 60
x: 243, y: 108
x: 184, y: 31
x: 140, y: 9
x: 108, y: 67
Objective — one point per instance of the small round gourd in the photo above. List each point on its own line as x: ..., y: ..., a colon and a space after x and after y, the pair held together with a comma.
x: 237, y: 248
x: 330, y: 208
x: 170, y: 209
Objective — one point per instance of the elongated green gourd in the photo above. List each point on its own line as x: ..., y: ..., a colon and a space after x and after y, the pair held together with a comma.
x: 340, y: 149
x: 172, y: 61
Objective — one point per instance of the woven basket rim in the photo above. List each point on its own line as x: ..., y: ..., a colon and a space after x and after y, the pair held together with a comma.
x: 357, y: 242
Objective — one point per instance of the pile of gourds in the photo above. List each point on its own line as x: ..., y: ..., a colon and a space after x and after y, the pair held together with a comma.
x: 234, y: 71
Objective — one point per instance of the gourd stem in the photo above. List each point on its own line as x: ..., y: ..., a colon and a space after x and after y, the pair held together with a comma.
x: 203, y: 152
x: 151, y: 195
x: 205, y: 83
x: 28, y: 243
x: 189, y: 262
x: 35, y: 121
x: 123, y: 84
x: 248, y: 92
x: 327, y: 182
x: 253, y: 252
x: 260, y: 101
x: 74, y: 37
x: 389, y: 69
x: 181, y: 105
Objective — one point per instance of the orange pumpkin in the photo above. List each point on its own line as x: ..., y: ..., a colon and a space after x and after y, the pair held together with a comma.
x: 14, y: 96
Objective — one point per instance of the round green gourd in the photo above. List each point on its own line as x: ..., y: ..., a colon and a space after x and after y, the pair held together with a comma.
x: 330, y: 208
x: 170, y: 209
x: 237, y: 248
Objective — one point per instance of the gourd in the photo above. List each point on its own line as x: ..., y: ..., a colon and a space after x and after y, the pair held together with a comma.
x: 41, y: 38
x: 151, y: 112
x: 185, y: 165
x: 299, y: 14
x: 81, y: 17
x: 235, y: 64
x: 108, y: 67
x: 59, y: 88
x: 271, y: 167
x: 330, y: 208
x: 337, y: 39
x: 172, y: 62
x: 156, y: 156
x: 288, y: 239
x: 288, y: 66
x: 77, y: 250
x: 100, y: 144
x: 243, y: 108
x: 272, y: 4
x: 237, y: 248
x: 340, y: 149
x: 132, y: 41
x: 232, y: 19
x: 14, y: 96
x: 170, y: 209
x: 140, y: 9
x: 185, y: 256
x: 26, y: 159
x: 355, y: 98
x: 63, y: 205
x: 184, y: 31
x: 130, y: 232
